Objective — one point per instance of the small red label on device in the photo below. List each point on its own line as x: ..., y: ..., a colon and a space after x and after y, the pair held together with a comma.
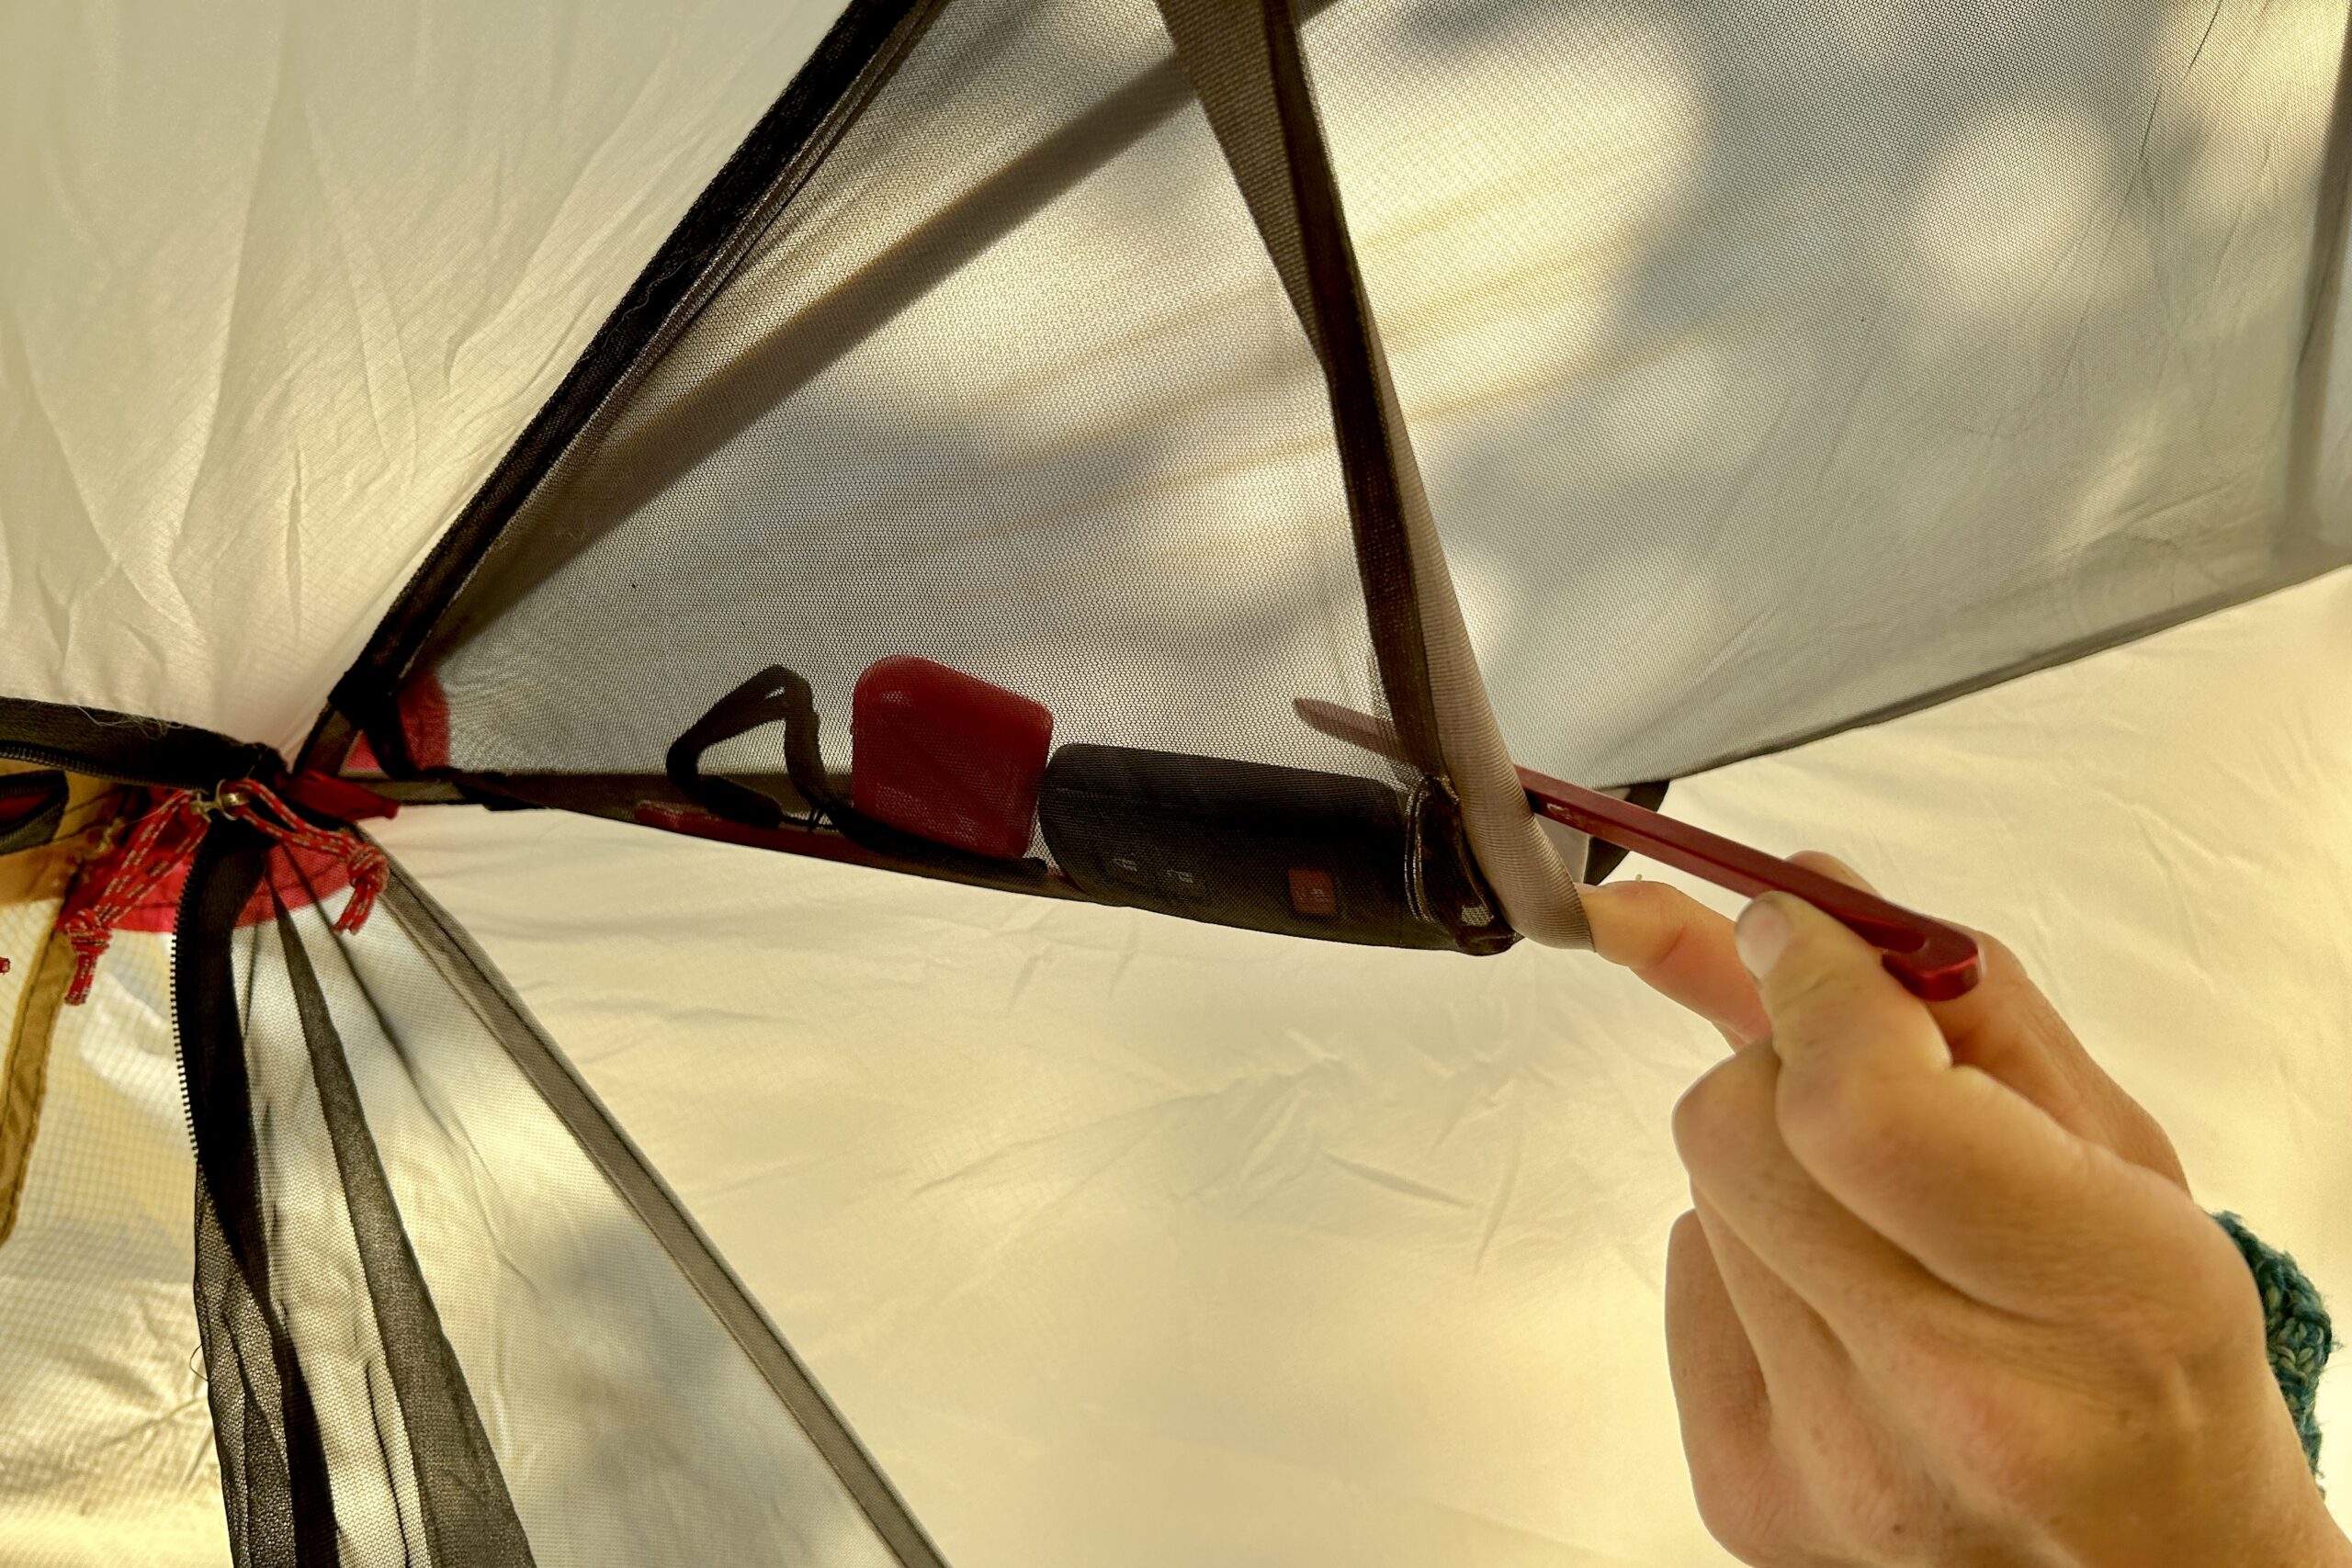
x: 1314, y: 893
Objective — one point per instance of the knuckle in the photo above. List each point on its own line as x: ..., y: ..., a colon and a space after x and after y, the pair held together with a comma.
x: 1647, y: 920
x: 2211, y: 1303
x: 1738, y: 1509
x: 2140, y: 1138
x: 1647, y: 895
x: 1839, y: 1114
x: 1718, y: 1115
x: 1698, y: 1116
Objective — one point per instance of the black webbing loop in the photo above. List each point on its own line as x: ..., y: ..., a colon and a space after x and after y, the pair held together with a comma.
x: 779, y: 695
x: 32, y: 806
x: 773, y: 694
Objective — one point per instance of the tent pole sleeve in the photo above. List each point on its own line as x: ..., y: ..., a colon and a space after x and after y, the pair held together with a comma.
x: 1245, y: 64
x: 722, y: 227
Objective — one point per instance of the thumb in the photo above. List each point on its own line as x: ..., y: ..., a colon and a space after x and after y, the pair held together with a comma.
x: 1829, y: 997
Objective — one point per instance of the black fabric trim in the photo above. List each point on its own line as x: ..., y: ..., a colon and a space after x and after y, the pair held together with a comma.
x: 32, y: 806
x: 277, y: 1490
x: 125, y: 747
x: 453, y: 952
x: 273, y: 1465
x: 704, y: 417
x: 778, y: 695
x: 329, y: 745
x: 856, y: 56
x: 774, y: 696
x: 461, y: 1492
x: 1368, y: 460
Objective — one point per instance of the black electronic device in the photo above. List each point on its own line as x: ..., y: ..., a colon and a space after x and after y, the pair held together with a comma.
x: 1275, y: 849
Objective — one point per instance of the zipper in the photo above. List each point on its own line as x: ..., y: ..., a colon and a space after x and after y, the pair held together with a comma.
x: 126, y: 748
x: 180, y: 1048
x: 73, y: 763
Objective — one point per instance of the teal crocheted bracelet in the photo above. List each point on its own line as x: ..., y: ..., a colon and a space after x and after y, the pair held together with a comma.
x: 2295, y: 1324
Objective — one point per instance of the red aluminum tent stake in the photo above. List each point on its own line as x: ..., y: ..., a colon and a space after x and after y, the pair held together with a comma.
x: 1935, y: 962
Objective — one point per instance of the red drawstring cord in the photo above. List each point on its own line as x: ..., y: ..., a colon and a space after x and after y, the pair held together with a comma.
x: 366, y: 863
x: 146, y: 859
x: 139, y: 866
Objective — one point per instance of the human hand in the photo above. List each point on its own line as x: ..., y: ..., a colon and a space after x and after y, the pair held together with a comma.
x: 1943, y: 1296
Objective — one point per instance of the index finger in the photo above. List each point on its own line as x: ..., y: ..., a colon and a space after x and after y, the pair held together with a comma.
x: 1680, y: 949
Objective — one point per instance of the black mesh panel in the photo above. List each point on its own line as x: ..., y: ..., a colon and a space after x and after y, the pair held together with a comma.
x: 1775, y: 369
x: 446, y: 1318
x: 1009, y: 384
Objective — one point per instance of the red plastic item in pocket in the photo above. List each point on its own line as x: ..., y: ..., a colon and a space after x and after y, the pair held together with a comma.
x: 947, y: 756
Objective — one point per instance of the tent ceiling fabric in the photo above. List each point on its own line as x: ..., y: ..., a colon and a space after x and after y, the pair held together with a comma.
x: 1768, y: 364
x: 106, y: 1442
x: 1125, y: 1239
x: 1662, y: 299
x: 1772, y: 363
x: 280, y: 282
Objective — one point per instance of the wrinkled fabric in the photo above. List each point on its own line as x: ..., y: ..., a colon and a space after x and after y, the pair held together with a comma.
x: 1735, y: 350
x: 279, y: 283
x: 106, y: 1443
x: 1124, y: 1239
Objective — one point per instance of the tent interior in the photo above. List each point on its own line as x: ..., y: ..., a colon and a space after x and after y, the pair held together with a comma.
x: 1915, y: 432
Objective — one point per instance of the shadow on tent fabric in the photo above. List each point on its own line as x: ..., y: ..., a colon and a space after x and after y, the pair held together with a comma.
x: 446, y: 1309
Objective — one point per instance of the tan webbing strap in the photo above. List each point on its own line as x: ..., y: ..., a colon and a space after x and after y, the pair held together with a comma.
x: 1239, y: 55
x: 31, y: 876
x: 25, y: 1072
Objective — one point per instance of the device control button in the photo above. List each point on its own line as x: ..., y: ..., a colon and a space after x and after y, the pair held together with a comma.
x: 1182, y: 882
x: 1314, y: 893
x: 1129, y: 866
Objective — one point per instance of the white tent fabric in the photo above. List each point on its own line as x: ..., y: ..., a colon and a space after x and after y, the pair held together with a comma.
x: 279, y: 285
x: 1981, y: 315
x: 106, y: 1443
x: 1123, y: 1240
x: 281, y: 282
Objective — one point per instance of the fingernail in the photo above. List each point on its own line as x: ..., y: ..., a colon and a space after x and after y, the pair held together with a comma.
x: 1761, y: 936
